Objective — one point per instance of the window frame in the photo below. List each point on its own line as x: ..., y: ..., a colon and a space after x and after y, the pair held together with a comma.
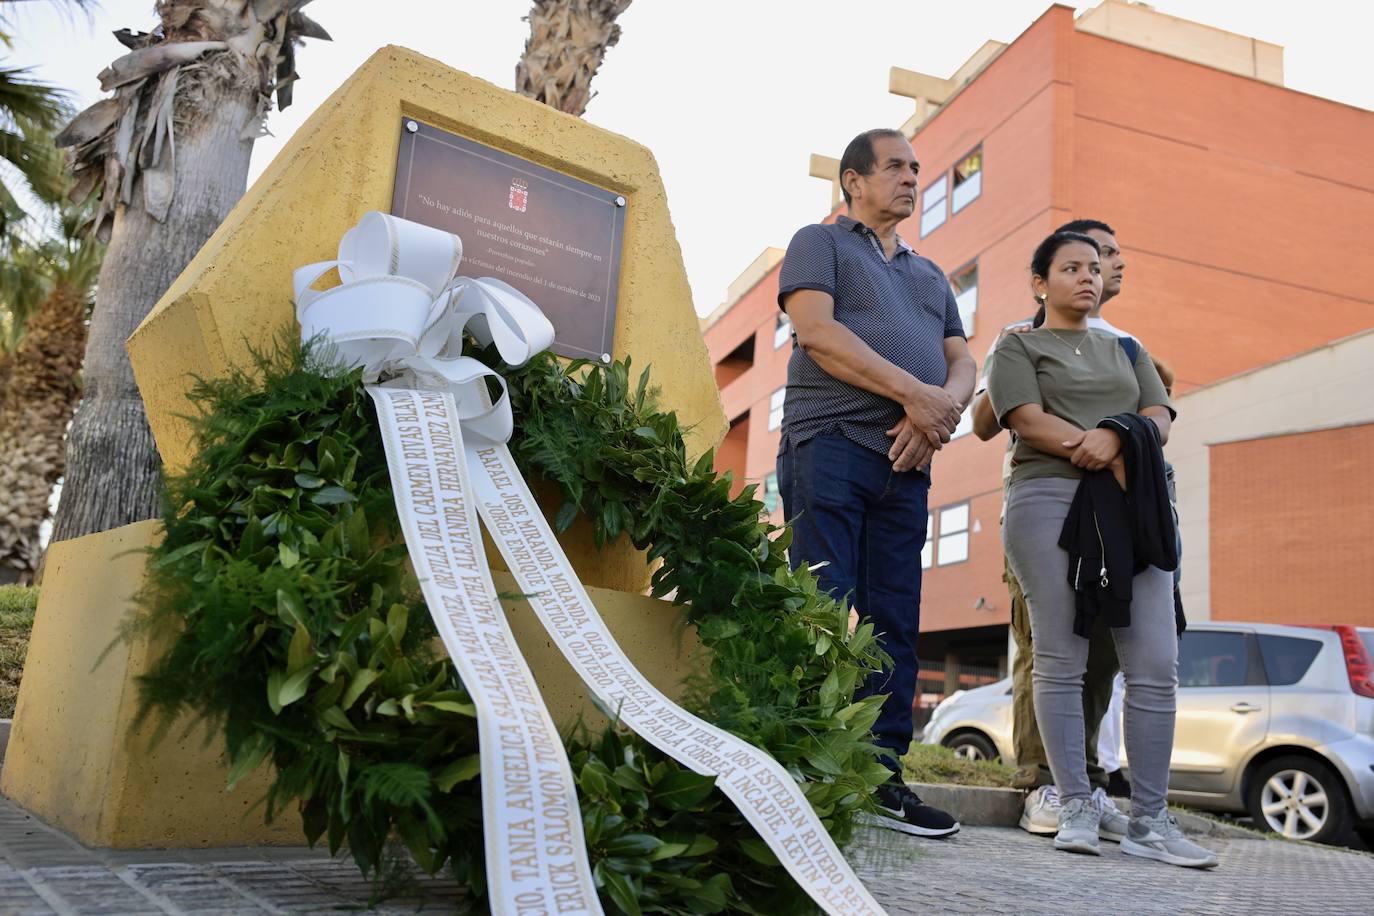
x: 770, y: 492
x: 977, y: 279
x: 928, y: 548
x: 981, y: 168
x: 965, y: 424
x: 966, y: 531
x: 782, y: 330
x: 776, y: 409
x: 943, y: 203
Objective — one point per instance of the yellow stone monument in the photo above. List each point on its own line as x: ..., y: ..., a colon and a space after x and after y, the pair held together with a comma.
x: 74, y: 758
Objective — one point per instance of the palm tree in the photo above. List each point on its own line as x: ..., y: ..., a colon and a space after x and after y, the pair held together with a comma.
x: 568, y: 40
x: 167, y: 156
x: 44, y: 291
x: 40, y: 384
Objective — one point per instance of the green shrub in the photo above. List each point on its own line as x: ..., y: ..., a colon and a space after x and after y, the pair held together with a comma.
x: 17, y: 606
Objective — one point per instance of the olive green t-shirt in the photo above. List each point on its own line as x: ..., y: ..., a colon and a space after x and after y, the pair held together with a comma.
x: 1039, y: 368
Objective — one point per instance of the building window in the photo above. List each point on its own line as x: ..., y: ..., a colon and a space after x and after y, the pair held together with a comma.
x: 770, y: 493
x: 928, y: 550
x: 782, y: 331
x: 775, y: 408
x: 968, y: 180
x: 953, y: 544
x: 965, y: 424
x: 964, y: 282
x: 933, y: 205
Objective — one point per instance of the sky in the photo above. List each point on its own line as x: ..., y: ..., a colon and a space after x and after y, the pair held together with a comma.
x: 732, y: 96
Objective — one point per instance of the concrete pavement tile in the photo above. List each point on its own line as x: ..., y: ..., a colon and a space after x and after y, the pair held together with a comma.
x: 89, y: 890
x: 191, y: 889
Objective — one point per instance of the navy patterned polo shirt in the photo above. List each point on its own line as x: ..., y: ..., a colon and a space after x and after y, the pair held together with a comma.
x: 902, y: 308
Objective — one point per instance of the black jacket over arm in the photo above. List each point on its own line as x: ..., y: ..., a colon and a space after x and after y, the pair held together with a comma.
x: 1110, y: 535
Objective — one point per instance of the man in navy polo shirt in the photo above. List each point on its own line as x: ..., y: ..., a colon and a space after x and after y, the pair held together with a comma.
x: 876, y: 384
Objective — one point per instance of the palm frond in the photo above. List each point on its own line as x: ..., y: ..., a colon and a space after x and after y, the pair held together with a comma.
x: 23, y: 99
x: 31, y: 112
x: 36, y: 258
x: 24, y: 283
x: 34, y: 156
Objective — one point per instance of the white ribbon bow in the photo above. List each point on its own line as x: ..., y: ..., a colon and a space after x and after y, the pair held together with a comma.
x: 401, y: 312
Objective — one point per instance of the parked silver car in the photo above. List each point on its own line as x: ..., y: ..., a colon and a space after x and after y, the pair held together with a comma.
x: 1273, y: 721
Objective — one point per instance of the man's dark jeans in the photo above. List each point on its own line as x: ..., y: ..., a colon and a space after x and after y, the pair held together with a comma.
x: 850, y: 510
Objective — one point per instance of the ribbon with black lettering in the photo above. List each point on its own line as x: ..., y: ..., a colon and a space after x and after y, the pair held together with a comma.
x: 401, y: 314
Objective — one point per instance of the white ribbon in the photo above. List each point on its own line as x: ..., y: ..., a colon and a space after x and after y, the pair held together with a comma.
x: 402, y: 312
x: 410, y: 326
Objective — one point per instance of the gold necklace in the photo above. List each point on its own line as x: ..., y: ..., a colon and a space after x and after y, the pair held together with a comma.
x: 1077, y: 351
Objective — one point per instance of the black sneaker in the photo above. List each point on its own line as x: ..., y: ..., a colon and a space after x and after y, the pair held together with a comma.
x: 899, y: 808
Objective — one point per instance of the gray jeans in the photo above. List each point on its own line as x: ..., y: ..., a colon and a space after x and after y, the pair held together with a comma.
x: 1147, y: 649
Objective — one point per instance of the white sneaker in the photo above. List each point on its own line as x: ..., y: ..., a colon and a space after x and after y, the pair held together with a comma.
x: 1112, y: 824
x: 1160, y: 838
x: 1041, y: 814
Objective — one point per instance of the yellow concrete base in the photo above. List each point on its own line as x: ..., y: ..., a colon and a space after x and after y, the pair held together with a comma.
x: 75, y: 760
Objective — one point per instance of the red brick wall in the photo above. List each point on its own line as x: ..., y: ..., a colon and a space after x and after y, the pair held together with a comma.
x: 1292, y: 528
x: 1232, y: 199
x: 730, y: 453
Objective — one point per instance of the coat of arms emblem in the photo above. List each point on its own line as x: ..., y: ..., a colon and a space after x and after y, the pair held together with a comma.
x: 519, y: 195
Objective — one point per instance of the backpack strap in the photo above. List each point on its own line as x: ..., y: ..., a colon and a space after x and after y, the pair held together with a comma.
x: 1131, y: 346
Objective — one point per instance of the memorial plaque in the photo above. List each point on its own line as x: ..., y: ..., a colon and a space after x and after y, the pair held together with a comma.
x: 551, y: 236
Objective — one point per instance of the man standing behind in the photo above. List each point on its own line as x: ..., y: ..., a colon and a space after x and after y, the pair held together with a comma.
x: 876, y: 384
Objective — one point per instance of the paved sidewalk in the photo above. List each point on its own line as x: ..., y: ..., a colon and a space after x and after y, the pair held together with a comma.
x: 1005, y: 870
x: 982, y: 870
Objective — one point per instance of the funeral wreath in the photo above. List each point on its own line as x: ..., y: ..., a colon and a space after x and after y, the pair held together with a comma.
x: 302, y: 636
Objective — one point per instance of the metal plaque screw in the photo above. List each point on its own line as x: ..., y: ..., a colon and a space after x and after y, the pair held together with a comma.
x: 605, y: 357
x: 412, y: 126
x: 620, y: 201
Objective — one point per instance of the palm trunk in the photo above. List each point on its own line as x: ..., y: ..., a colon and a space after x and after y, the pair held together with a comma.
x: 112, y: 463
x: 39, y: 388
x: 568, y: 40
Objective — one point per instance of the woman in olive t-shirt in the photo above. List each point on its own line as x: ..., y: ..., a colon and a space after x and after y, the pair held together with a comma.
x: 1051, y: 386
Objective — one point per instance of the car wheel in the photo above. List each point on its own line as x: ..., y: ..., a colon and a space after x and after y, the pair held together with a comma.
x: 1301, y: 798
x: 971, y: 746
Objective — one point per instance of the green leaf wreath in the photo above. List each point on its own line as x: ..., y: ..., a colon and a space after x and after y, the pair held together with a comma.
x: 303, y: 636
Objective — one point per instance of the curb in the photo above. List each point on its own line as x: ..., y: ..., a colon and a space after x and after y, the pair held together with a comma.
x: 974, y: 806
x: 981, y: 806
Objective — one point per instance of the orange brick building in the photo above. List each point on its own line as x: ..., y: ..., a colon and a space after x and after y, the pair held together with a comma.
x: 1264, y: 492
x: 1243, y: 210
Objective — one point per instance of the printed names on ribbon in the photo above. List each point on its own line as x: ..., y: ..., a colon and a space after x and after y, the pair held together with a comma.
x: 535, y: 850
x: 762, y: 790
